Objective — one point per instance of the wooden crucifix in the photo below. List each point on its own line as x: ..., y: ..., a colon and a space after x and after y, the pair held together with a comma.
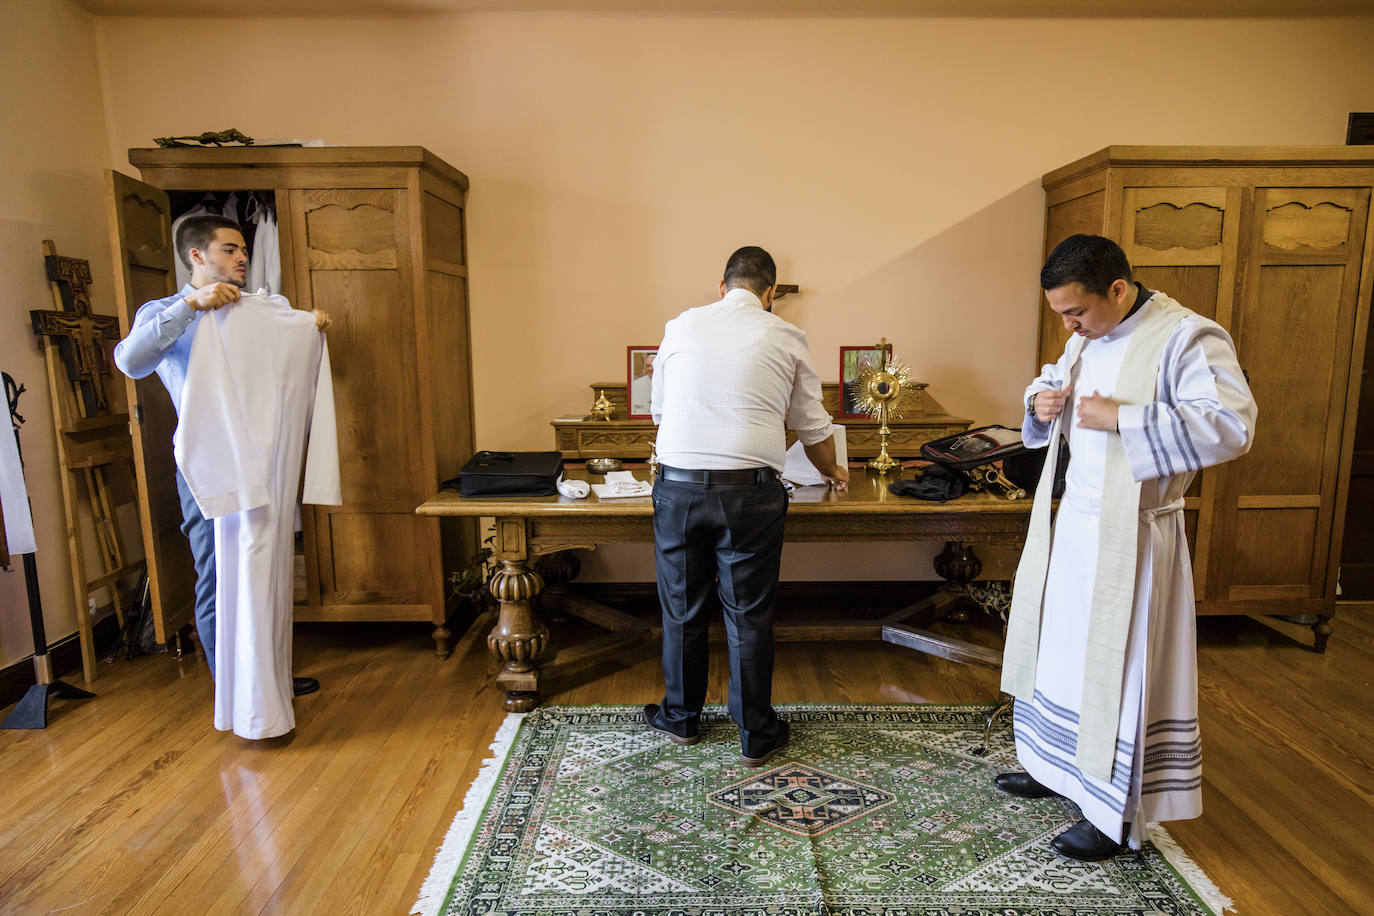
x: 77, y: 331
x: 91, y: 437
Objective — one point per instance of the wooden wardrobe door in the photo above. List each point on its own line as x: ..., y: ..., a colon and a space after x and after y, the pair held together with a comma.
x: 1183, y: 241
x: 371, y: 552
x: 140, y: 233
x: 1295, y: 328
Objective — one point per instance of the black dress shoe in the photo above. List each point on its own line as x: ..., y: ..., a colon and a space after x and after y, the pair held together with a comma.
x: 300, y: 686
x: 651, y: 720
x: 1022, y: 786
x: 783, y: 735
x: 1086, y: 843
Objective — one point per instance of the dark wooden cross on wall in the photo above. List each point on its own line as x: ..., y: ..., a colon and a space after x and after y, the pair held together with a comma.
x: 78, y: 332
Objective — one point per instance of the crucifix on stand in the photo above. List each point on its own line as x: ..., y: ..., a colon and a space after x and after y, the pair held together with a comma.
x: 90, y: 436
x: 77, y: 330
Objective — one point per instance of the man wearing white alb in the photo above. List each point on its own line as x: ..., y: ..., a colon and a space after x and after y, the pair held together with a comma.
x: 729, y: 379
x: 213, y: 248
x: 1101, y: 651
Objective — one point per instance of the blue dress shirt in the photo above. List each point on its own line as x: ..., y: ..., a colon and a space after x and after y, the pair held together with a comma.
x: 159, y: 342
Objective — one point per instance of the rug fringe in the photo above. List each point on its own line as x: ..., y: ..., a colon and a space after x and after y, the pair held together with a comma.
x: 436, y: 886
x: 1190, y: 871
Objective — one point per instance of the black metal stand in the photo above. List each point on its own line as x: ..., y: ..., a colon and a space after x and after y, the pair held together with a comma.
x: 32, y: 710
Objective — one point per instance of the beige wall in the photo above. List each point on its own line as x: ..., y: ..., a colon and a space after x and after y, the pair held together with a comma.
x: 53, y: 146
x: 892, y: 166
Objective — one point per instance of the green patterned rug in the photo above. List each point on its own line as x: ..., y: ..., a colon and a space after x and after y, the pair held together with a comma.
x: 871, y: 811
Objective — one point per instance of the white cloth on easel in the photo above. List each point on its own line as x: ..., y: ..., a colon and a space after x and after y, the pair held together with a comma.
x: 14, y: 497
x: 257, y: 388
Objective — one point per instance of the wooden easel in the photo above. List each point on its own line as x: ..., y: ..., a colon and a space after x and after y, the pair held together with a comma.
x: 90, y: 438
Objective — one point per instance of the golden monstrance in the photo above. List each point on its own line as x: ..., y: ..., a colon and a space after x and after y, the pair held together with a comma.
x: 886, y: 392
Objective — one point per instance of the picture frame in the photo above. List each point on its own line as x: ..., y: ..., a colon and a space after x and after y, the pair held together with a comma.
x: 639, y: 372
x: 854, y: 362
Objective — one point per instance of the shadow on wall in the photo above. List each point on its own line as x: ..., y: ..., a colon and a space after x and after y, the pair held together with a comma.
x: 972, y: 294
x: 969, y: 332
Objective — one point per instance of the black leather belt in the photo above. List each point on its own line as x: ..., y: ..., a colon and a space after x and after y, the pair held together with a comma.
x: 707, y: 478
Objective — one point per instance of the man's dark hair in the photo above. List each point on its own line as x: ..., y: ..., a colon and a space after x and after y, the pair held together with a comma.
x: 198, y: 232
x: 1091, y: 260
x: 752, y: 268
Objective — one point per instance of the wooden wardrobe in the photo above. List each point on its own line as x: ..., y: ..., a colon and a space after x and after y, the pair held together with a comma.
x: 375, y: 236
x: 1272, y: 243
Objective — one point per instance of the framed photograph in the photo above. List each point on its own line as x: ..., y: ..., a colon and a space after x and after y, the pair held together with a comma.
x: 639, y: 380
x: 854, y: 362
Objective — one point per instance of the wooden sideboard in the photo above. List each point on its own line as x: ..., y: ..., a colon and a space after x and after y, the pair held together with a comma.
x: 620, y: 437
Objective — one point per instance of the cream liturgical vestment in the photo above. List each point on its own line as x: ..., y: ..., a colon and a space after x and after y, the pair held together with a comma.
x: 257, y: 387
x: 1101, y: 645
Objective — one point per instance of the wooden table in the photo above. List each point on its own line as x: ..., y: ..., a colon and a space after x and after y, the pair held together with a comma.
x: 530, y: 527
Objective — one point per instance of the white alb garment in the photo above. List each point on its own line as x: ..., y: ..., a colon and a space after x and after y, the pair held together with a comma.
x: 257, y: 385
x: 1203, y: 414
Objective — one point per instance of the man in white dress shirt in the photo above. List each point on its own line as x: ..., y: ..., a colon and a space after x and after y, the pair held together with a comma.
x: 729, y: 379
x: 213, y: 247
x: 1101, y: 645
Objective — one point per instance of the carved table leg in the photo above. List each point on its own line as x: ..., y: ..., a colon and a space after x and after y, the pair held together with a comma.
x: 519, y: 638
x: 557, y: 570
x: 959, y: 565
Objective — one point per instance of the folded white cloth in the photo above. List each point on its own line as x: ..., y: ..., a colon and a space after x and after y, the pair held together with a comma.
x: 573, y: 489
x: 620, y: 484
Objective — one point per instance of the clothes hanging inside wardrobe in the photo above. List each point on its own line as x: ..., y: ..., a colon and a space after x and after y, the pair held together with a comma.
x: 264, y: 261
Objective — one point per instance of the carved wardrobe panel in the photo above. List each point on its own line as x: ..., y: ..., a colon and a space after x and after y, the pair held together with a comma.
x: 1272, y: 243
x: 375, y: 237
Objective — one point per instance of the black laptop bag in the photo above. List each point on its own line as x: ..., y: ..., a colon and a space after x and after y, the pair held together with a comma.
x: 510, y: 474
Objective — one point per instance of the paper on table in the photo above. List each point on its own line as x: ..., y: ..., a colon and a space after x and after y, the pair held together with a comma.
x: 620, y: 484
x: 799, y: 468
x: 13, y: 495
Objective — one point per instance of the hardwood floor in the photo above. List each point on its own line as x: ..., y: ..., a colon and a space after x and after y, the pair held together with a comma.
x: 132, y: 803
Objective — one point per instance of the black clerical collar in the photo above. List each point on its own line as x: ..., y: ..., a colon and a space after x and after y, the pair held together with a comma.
x: 1142, y: 296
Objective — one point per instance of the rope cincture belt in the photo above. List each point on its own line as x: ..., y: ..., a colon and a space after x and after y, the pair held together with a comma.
x: 709, y: 478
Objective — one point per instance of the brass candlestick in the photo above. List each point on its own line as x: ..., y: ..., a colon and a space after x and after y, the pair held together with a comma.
x: 884, y: 462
